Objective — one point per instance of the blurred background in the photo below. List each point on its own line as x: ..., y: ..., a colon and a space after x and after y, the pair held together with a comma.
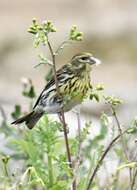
x: 110, y: 30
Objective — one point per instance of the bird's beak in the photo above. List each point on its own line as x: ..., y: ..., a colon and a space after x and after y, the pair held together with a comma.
x: 94, y: 61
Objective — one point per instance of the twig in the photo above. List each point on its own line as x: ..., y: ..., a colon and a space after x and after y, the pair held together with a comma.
x: 78, y: 159
x: 133, y: 180
x: 122, y: 140
x: 79, y: 134
x: 102, y: 158
x: 54, y: 66
x: 61, y: 46
x: 120, y: 131
x: 50, y: 167
x: 62, y: 117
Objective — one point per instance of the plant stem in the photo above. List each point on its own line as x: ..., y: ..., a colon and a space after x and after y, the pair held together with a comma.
x: 79, y: 134
x: 102, y: 158
x: 62, y: 117
x: 6, y: 170
x: 5, y: 161
x: 50, y: 169
x: 134, y: 179
x: 122, y: 140
x: 120, y: 131
x: 61, y: 46
x: 54, y: 66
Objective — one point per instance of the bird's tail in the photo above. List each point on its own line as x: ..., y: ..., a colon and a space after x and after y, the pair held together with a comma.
x: 30, y: 119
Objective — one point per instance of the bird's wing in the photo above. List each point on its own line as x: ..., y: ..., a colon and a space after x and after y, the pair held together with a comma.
x: 61, y: 77
x: 49, y: 84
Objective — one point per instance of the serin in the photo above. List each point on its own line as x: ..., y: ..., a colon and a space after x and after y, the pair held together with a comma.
x: 73, y: 84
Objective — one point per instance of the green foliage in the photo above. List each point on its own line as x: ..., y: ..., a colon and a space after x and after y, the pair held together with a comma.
x: 43, y: 61
x: 40, y: 31
x: 38, y: 143
x: 99, y: 87
x: 17, y: 112
x: 28, y: 89
x: 75, y: 34
x: 95, y: 94
x: 133, y: 129
x: 134, y: 122
x: 113, y: 100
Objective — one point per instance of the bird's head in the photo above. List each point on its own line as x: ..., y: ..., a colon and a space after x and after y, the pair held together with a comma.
x: 82, y: 61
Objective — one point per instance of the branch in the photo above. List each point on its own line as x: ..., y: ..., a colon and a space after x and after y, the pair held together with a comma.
x: 61, y: 115
x: 134, y: 179
x: 61, y: 46
x: 122, y: 140
x: 102, y: 158
x: 120, y: 131
x: 54, y: 66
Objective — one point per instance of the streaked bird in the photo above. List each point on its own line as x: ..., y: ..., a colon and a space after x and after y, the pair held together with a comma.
x: 73, y: 83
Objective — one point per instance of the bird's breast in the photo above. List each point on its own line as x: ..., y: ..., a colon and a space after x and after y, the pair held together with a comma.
x: 78, y: 85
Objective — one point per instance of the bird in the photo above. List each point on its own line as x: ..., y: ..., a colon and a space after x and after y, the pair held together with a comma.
x: 73, y: 81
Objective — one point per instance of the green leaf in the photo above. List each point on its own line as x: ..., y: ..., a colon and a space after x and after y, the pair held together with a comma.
x: 99, y: 87
x: 49, y: 75
x: 104, y: 120
x: 132, y: 130
x: 43, y: 61
x: 120, y: 154
x: 17, y: 112
x: 61, y: 185
x: 113, y: 100
x: 134, y: 122
x: 37, y: 181
x: 95, y: 96
x: 29, y: 90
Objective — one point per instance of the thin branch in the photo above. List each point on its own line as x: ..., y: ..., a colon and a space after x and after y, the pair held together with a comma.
x: 120, y: 131
x: 61, y: 46
x: 62, y: 117
x: 78, y: 159
x: 54, y: 66
x: 102, y: 158
x: 122, y: 140
x: 134, y: 179
x: 50, y: 167
x: 79, y: 134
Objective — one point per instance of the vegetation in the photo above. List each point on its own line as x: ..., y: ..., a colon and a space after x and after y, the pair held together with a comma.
x: 39, y: 159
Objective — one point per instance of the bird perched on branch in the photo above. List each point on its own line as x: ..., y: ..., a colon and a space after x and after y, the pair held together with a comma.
x: 73, y: 84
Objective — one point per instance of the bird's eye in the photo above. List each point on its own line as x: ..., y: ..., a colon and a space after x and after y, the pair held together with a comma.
x: 83, y: 58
